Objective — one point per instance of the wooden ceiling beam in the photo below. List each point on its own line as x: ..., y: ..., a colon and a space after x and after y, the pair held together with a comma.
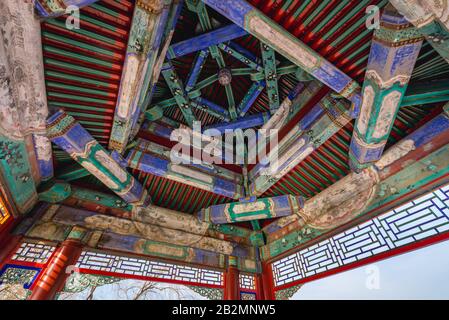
x: 251, y: 210
x: 271, y: 77
x: 394, y: 50
x: 64, y: 131
x: 178, y: 91
x: 148, y: 26
x: 155, y: 159
x: 426, y: 93
x: 204, y: 41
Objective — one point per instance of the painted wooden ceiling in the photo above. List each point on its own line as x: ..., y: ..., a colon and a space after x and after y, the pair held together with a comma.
x: 83, y: 70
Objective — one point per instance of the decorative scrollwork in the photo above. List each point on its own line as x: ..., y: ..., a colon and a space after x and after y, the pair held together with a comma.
x: 78, y: 282
x: 209, y: 293
x: 286, y: 294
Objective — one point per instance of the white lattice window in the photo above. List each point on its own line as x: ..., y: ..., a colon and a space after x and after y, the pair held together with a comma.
x: 33, y: 252
x: 424, y: 217
x: 139, y: 267
x: 247, y: 282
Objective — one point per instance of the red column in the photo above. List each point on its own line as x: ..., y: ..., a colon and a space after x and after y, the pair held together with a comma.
x: 232, y: 283
x: 8, y: 246
x: 267, y: 282
x: 54, y: 276
x: 259, y: 286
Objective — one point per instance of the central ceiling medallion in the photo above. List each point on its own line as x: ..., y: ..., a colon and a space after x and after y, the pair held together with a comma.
x: 224, y: 76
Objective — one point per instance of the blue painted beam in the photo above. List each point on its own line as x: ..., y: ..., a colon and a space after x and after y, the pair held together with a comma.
x: 204, y: 41
x: 155, y: 159
x: 250, y: 121
x: 213, y: 106
x: 250, y: 97
x: 426, y: 92
x: 200, y: 59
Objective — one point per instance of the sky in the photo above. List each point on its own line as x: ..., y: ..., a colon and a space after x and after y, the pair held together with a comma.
x: 420, y: 274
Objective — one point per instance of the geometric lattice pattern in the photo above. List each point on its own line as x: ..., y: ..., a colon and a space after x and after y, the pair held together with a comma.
x: 146, y: 268
x: 421, y: 218
x: 209, y: 293
x: 286, y: 294
x: 247, y: 282
x: 33, y: 252
x: 245, y: 296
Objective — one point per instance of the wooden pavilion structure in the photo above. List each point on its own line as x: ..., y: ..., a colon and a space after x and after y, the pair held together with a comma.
x: 93, y: 92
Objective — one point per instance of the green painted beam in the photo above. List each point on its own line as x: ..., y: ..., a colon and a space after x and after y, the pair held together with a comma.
x: 272, y: 34
x: 269, y: 63
x: 251, y: 209
x: 249, y: 61
x: 177, y: 89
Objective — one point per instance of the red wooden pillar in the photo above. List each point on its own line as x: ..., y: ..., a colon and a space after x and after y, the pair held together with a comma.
x: 8, y: 246
x: 258, y: 278
x: 231, y: 281
x: 54, y: 276
x: 267, y: 282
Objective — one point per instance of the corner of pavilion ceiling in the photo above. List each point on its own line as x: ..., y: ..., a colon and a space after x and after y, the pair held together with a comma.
x: 196, y: 63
